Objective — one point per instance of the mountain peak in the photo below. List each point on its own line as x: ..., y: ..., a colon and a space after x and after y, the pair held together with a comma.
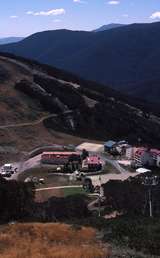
x: 109, y: 26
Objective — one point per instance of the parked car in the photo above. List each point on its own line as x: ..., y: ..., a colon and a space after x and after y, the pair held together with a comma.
x: 7, y: 170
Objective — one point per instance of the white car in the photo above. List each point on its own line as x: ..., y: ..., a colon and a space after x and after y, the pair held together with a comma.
x: 143, y: 170
x: 7, y: 170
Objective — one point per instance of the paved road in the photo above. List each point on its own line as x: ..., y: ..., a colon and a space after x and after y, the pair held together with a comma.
x: 114, y: 163
x: 58, y: 187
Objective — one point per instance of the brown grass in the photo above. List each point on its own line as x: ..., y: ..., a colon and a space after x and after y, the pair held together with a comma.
x: 49, y: 240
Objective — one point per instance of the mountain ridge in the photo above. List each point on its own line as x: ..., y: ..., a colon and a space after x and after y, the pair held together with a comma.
x: 119, y: 57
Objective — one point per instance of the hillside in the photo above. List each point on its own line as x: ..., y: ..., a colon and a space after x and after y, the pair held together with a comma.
x: 43, y: 105
x: 50, y: 240
x: 9, y: 40
x: 119, y: 57
x: 22, y: 117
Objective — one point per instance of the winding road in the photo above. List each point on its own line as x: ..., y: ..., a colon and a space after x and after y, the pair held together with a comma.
x: 39, y: 121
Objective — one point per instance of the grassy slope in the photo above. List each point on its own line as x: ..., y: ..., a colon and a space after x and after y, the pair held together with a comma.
x: 49, y: 240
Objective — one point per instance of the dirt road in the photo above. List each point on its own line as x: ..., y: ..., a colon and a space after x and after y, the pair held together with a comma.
x: 39, y: 121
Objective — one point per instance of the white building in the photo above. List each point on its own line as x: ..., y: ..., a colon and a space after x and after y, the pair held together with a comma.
x: 158, y: 161
x: 130, y: 152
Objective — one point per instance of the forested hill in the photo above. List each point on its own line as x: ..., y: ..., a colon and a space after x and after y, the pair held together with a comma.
x: 38, y: 100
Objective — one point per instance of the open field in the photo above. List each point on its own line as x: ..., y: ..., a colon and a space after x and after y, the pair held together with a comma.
x: 49, y: 240
x: 51, y: 180
x: 73, y: 191
x: 43, y: 196
x: 47, y: 174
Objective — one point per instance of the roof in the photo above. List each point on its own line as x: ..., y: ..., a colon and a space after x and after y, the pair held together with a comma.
x: 123, y: 142
x: 60, y: 153
x: 141, y: 151
x: 93, y: 160
x: 7, y: 165
x: 93, y: 147
x: 155, y: 152
x: 109, y: 144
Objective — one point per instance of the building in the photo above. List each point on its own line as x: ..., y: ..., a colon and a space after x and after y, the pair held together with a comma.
x: 146, y: 157
x: 60, y: 158
x: 118, y: 148
x: 156, y: 156
x: 122, y: 148
x: 110, y: 146
x: 130, y: 152
x: 158, y: 161
x: 92, y: 163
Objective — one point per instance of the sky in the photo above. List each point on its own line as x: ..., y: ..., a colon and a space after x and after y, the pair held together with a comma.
x: 22, y: 18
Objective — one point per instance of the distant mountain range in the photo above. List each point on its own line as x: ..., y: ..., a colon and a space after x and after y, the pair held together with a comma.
x: 10, y: 40
x: 109, y: 26
x: 126, y: 58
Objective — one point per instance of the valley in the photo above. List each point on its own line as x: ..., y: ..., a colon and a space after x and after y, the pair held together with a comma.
x: 80, y: 129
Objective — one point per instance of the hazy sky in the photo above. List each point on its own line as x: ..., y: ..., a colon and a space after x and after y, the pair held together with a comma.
x: 21, y: 18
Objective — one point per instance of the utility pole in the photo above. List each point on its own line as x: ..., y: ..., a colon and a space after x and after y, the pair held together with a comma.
x: 99, y: 197
x: 150, y: 182
x: 99, y: 206
x: 150, y: 204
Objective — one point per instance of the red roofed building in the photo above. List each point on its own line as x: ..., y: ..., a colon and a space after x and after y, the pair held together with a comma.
x: 92, y: 163
x: 59, y: 158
